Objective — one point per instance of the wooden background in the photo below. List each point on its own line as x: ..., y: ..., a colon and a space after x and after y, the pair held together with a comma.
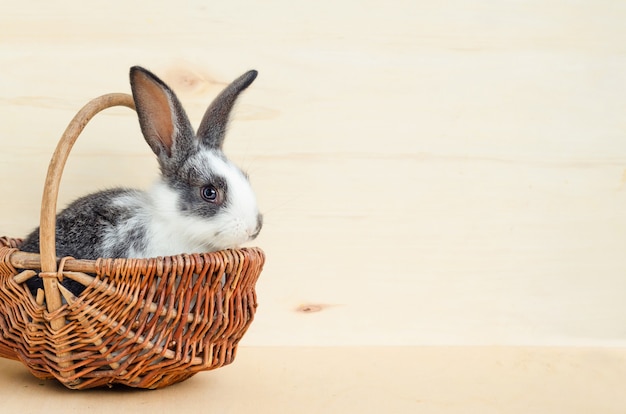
x: 440, y: 174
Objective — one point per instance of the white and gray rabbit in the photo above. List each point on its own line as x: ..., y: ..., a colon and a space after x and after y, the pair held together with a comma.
x: 202, y: 202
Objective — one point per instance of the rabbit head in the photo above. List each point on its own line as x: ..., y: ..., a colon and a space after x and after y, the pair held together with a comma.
x: 201, y: 196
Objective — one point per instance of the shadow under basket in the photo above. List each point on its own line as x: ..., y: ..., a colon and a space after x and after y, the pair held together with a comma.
x: 144, y: 323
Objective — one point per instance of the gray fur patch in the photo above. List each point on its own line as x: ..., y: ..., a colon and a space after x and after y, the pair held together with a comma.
x: 82, y: 225
x: 188, y: 181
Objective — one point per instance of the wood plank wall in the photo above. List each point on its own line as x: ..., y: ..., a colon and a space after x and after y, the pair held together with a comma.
x: 432, y: 173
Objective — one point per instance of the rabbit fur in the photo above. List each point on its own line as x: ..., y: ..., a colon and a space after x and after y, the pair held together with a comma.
x: 201, y: 202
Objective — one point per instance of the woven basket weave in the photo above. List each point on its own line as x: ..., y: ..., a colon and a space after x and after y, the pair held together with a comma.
x: 144, y: 323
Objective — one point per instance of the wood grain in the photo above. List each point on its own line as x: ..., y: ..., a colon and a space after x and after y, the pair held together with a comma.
x: 436, y: 173
x: 442, y: 380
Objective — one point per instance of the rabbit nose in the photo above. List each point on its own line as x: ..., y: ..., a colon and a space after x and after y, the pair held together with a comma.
x: 259, y: 225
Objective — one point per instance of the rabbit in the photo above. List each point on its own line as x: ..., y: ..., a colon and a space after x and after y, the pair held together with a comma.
x: 201, y: 202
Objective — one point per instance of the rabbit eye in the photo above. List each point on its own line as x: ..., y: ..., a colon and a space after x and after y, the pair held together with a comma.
x: 210, y: 193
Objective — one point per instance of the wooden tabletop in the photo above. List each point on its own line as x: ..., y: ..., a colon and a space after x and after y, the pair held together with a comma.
x: 359, y: 380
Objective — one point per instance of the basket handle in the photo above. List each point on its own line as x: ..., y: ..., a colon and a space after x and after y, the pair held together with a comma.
x: 47, y: 225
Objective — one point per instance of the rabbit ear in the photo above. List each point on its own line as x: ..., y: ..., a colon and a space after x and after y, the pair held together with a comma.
x: 213, y: 126
x: 163, y: 121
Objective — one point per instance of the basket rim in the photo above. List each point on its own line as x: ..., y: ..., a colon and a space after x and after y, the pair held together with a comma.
x: 33, y: 261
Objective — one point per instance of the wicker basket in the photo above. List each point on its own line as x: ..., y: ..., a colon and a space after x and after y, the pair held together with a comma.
x: 144, y: 323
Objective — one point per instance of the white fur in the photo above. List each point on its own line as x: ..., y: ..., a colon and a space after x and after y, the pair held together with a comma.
x: 138, y: 203
x: 240, y: 218
x: 169, y: 232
